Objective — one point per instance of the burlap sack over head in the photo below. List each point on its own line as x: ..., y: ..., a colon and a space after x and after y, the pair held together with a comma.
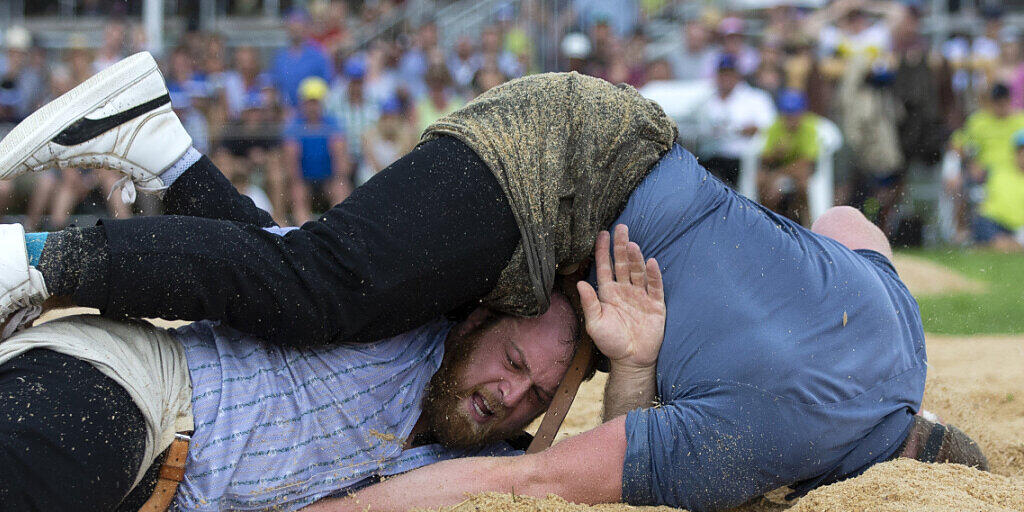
x: 568, y: 150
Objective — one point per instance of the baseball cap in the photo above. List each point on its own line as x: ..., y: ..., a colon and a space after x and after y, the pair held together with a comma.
x: 18, y: 38
x: 312, y: 88
x: 355, y: 68
x: 791, y: 102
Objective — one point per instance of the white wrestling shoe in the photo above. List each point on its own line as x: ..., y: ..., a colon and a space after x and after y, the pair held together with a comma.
x: 22, y: 290
x: 120, y: 118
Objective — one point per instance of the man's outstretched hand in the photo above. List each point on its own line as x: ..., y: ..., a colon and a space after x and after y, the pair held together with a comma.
x: 626, y: 315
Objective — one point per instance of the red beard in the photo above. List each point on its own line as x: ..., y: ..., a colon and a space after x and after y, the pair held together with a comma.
x: 444, y: 409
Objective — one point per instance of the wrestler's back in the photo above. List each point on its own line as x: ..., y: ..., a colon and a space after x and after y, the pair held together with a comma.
x: 743, y: 284
x: 787, y: 357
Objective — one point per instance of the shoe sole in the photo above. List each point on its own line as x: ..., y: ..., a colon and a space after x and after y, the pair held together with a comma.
x: 44, y: 124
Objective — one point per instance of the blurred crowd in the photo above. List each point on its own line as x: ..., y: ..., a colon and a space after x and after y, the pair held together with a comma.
x: 856, y: 83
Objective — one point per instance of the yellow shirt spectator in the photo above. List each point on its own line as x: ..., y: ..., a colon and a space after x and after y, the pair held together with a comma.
x: 783, y: 146
x: 990, y: 137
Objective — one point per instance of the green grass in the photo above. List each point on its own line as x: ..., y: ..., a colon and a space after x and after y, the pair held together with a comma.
x: 1000, y: 310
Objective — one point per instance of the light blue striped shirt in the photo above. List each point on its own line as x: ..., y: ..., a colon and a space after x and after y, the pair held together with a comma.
x: 279, y: 428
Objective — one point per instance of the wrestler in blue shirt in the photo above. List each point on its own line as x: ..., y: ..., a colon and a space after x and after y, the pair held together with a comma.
x: 787, y: 359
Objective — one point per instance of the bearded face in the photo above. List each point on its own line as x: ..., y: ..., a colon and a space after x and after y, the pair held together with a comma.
x: 443, y: 404
x: 497, y: 376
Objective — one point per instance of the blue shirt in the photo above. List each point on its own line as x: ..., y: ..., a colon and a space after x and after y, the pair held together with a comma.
x: 278, y: 428
x: 787, y: 357
x: 292, y: 65
x: 314, y: 145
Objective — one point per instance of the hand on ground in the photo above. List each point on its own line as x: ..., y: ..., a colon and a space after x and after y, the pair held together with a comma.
x: 626, y: 315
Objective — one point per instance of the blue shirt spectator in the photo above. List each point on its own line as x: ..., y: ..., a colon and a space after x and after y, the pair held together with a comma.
x: 313, y: 138
x: 300, y: 59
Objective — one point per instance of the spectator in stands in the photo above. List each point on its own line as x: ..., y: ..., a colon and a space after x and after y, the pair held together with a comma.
x: 46, y: 184
x: 635, y: 54
x: 461, y: 63
x: 79, y: 59
x: 493, y: 53
x: 844, y: 29
x: 412, y: 67
x: 242, y: 177
x: 734, y: 115
x: 870, y: 114
x: 575, y: 50
x: 300, y: 59
x: 245, y: 80
x: 734, y: 43
x: 184, y: 89
x: 387, y: 140
x: 331, y: 26
x: 439, y: 100
x: 696, y: 59
x: 112, y: 49
x: 790, y: 153
x: 350, y: 107
x: 999, y: 222
x: 315, y: 153
x: 22, y: 86
x: 486, y: 78
x: 987, y: 142
x: 254, y: 140
x: 383, y: 79
x: 603, y: 43
x: 923, y: 87
x: 985, y: 49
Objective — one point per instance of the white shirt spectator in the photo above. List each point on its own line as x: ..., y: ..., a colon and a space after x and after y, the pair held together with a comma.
x: 727, y: 118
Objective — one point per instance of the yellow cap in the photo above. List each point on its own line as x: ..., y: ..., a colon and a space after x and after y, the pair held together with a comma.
x: 312, y: 88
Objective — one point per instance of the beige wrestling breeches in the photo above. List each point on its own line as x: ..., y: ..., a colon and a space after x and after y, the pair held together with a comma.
x: 145, y: 360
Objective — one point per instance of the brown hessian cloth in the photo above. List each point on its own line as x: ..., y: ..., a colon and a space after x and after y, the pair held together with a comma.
x: 568, y: 150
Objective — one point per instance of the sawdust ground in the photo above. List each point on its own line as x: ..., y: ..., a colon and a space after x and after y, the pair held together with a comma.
x: 974, y: 382
x: 924, y: 277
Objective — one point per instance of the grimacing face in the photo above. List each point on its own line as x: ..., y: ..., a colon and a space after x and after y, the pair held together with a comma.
x: 498, y: 373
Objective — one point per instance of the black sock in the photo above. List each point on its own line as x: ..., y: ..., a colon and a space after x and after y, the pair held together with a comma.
x: 68, y: 255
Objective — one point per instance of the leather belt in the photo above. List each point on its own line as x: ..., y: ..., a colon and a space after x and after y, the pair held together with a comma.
x: 172, y: 472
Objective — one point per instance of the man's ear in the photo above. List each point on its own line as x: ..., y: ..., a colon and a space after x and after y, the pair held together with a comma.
x: 475, y: 319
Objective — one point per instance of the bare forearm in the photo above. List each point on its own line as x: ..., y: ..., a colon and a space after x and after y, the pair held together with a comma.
x: 582, y: 469
x: 444, y: 483
x: 628, y: 388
